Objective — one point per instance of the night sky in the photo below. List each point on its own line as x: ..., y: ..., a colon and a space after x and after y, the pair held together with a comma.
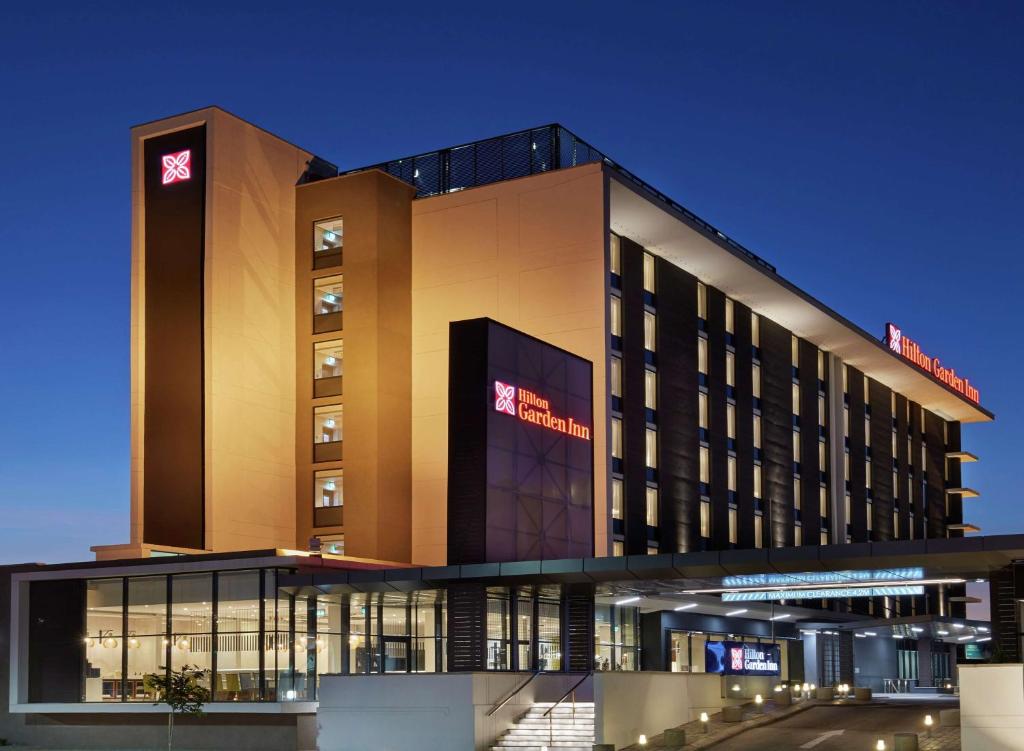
x: 871, y: 152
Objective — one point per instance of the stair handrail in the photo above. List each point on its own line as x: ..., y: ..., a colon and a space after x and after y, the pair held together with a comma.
x: 569, y: 692
x: 508, y: 698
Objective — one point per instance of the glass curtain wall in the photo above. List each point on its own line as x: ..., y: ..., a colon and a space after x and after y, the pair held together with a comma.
x: 615, y: 635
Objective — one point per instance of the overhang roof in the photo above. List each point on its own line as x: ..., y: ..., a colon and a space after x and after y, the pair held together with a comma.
x: 693, y: 247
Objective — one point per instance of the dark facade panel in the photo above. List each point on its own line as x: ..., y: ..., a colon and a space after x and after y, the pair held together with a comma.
x: 56, y: 652
x: 633, y: 415
x: 742, y: 340
x: 901, y: 491
x: 858, y: 454
x: 810, y: 468
x: 678, y: 458
x: 954, y: 478
x: 881, y: 459
x: 717, y: 420
x: 936, y: 473
x: 917, y: 484
x: 777, y: 430
x: 173, y: 485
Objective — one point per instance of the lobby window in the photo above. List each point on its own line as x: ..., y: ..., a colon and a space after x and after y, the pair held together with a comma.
x: 327, y: 433
x: 327, y: 368
x: 191, y: 621
x: 758, y: 530
x: 328, y: 498
x: 549, y: 630
x: 615, y: 320
x: 617, y: 499
x: 650, y: 392
x: 650, y: 331
x: 649, y: 274
x: 328, y: 239
x: 238, y: 626
x: 615, y: 377
x: 733, y: 526
x: 705, y: 519
x: 618, y: 548
x: 146, y: 641
x: 328, y: 297
x: 651, y: 448
x: 702, y: 303
x: 652, y: 506
x: 705, y: 465
x: 103, y: 641
x: 616, y: 438
x: 614, y: 255
x: 498, y: 629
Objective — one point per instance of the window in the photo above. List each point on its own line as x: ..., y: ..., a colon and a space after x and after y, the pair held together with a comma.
x: 757, y: 481
x: 649, y: 331
x: 238, y: 626
x: 796, y: 399
x: 649, y: 273
x: 327, y: 304
x: 705, y: 465
x: 730, y: 369
x: 896, y: 524
x: 104, y: 635
x: 870, y: 513
x: 823, y: 537
x: 615, y: 376
x: 327, y: 433
x: 821, y: 410
x: 796, y: 447
x: 702, y: 355
x: 614, y: 254
x: 867, y: 431
x: 755, y: 329
x: 731, y: 468
x: 794, y: 346
x: 617, y: 498
x: 328, y: 498
x: 702, y: 410
x: 730, y: 420
x: 615, y: 309
x: 756, y: 385
x: 821, y: 365
x: 650, y: 390
x: 846, y: 509
x: 797, y: 494
x: 822, y: 464
x: 758, y: 531
x: 328, y: 238
x: 729, y: 317
x: 651, y: 448
x: 705, y: 519
x: 757, y: 431
x: 616, y: 438
x: 732, y: 526
x: 327, y: 368
x: 867, y: 474
x: 652, y: 507
x: 798, y: 534
x: 702, y: 301
x: 823, y: 502
x: 146, y: 640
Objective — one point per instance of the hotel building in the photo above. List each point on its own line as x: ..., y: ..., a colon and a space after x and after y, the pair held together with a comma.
x: 502, y: 406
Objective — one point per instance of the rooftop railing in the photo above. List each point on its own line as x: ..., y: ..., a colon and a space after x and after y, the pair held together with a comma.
x: 521, y: 154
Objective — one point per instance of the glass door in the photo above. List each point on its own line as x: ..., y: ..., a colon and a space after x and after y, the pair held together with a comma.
x: 396, y: 654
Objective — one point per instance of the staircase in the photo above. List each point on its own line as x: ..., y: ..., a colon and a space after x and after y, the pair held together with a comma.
x: 564, y: 729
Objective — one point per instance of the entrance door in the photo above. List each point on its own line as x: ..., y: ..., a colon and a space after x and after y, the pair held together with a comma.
x: 396, y: 654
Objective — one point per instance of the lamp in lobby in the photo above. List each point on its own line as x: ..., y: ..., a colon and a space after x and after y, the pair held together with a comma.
x: 133, y: 642
x: 183, y: 644
x: 107, y: 641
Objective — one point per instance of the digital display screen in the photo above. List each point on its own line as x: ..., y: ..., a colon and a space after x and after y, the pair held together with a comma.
x: 742, y: 658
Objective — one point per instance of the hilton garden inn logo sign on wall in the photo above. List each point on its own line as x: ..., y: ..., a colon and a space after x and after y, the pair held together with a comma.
x: 176, y: 167
x: 532, y: 408
x: 908, y: 349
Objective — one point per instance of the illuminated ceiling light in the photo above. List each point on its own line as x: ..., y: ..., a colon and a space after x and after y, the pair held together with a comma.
x: 736, y: 612
x: 897, y: 636
x: 985, y: 638
x: 942, y: 633
x: 780, y: 617
x: 916, y: 629
x: 330, y: 360
x: 983, y: 629
x: 687, y: 606
x: 964, y: 638
x: 628, y: 600
x: 958, y: 625
x: 861, y: 636
x: 329, y: 422
x: 870, y: 633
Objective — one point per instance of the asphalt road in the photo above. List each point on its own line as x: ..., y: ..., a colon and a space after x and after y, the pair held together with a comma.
x: 836, y: 728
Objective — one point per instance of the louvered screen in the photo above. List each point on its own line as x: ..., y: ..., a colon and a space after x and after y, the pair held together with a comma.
x: 467, y: 619
x: 579, y: 625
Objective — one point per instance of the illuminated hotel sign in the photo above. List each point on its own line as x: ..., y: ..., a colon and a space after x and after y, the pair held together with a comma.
x: 176, y: 167
x: 531, y: 408
x: 908, y: 349
x: 741, y: 658
x: 819, y: 578
x: 842, y: 593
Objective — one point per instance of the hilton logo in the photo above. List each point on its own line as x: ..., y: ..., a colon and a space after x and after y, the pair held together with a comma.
x: 505, y: 398
x: 177, y: 167
x: 736, y: 657
x: 895, y: 339
x: 529, y: 407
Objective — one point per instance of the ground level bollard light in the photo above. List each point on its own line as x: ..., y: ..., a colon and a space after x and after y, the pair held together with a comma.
x: 704, y: 721
x: 880, y: 745
x: 759, y: 701
x: 642, y: 740
x: 928, y: 722
x: 805, y: 688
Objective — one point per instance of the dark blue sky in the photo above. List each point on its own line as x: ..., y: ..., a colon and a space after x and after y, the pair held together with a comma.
x: 871, y: 151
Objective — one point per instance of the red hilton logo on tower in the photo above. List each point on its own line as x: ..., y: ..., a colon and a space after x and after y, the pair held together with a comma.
x: 908, y: 349
x: 532, y: 408
x: 176, y: 167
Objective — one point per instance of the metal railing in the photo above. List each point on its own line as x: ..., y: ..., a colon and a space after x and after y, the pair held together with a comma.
x: 897, y: 685
x: 520, y: 154
x: 571, y: 692
x: 509, y: 698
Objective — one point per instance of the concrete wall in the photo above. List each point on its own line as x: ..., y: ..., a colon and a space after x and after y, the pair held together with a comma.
x: 509, y: 252
x: 874, y: 659
x: 628, y: 704
x: 992, y: 707
x: 427, y: 712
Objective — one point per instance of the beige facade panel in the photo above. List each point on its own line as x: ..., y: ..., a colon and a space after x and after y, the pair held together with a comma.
x: 507, y: 251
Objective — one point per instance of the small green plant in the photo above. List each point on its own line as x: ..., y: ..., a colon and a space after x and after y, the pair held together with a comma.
x: 181, y: 690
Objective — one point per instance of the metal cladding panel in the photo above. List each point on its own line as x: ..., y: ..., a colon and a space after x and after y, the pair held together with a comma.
x: 175, y: 217
x: 521, y: 439
x: 901, y: 491
x: 810, y: 469
x: 777, y: 430
x: 742, y: 341
x: 1004, y: 591
x: 633, y: 414
x: 881, y: 458
x: 917, y: 486
x: 467, y: 627
x: 56, y: 652
x: 858, y: 455
x: 936, y: 459
x: 955, y: 478
x: 717, y: 420
x: 578, y: 607
x: 678, y: 457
